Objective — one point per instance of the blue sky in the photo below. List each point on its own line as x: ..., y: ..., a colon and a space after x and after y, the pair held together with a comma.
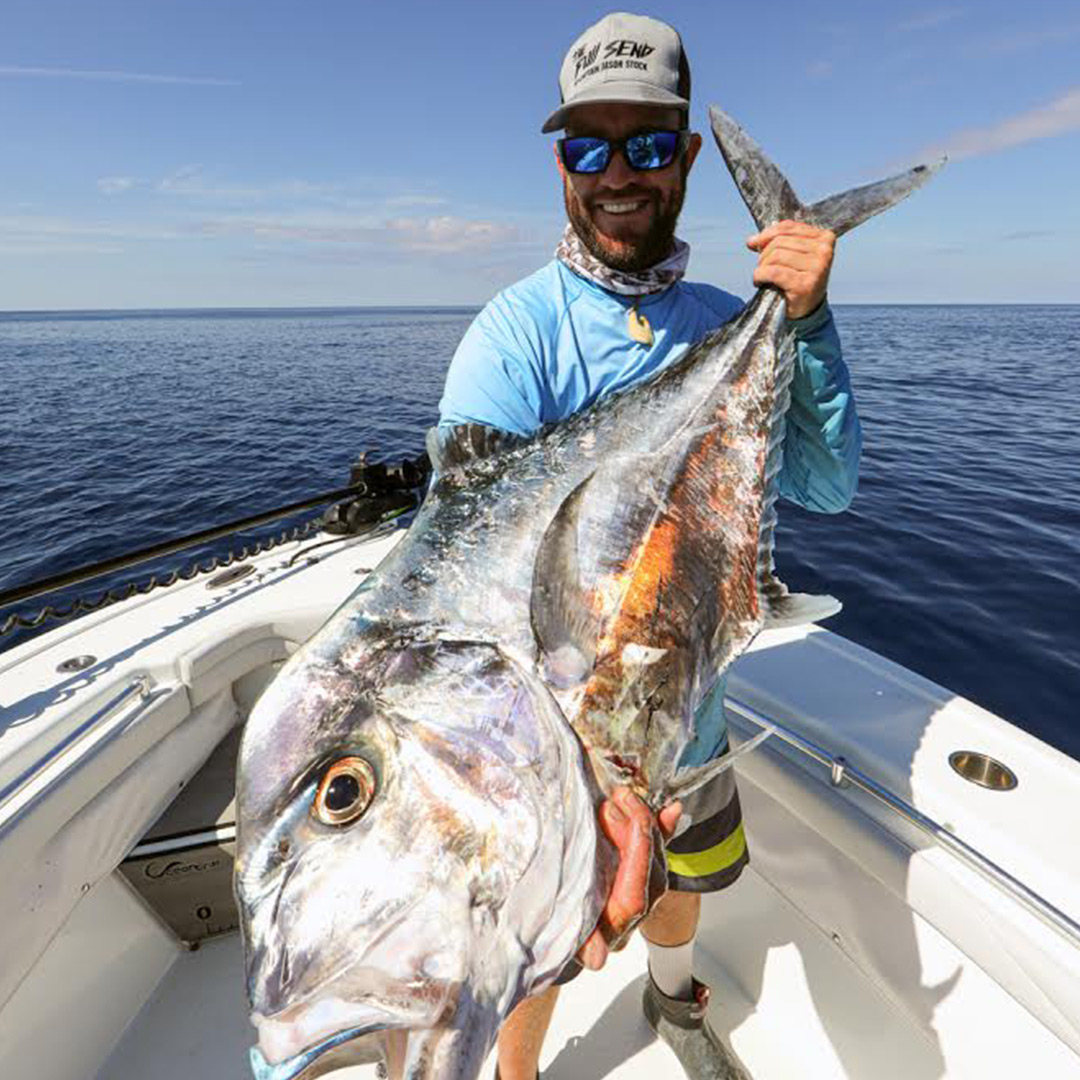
x: 197, y: 153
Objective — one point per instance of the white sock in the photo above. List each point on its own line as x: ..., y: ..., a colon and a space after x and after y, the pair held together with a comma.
x: 670, y: 967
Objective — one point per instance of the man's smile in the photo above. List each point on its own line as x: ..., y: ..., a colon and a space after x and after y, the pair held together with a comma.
x: 622, y: 207
x: 624, y: 217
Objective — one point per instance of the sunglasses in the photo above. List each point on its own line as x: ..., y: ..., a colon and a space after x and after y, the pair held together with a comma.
x: 648, y: 150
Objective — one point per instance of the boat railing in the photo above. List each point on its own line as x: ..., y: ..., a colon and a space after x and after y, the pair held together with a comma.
x: 27, y: 790
x: 20, y: 796
x: 843, y: 773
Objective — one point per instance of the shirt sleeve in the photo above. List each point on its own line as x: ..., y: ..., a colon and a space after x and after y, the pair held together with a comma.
x: 823, y: 438
x: 492, y: 377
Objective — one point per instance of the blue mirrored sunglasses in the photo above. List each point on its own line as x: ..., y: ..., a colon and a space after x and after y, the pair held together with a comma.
x: 647, y: 150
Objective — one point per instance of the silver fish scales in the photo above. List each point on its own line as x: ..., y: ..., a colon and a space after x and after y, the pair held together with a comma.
x: 418, y: 848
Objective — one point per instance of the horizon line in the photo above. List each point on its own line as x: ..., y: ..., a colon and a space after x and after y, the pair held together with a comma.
x: 476, y: 306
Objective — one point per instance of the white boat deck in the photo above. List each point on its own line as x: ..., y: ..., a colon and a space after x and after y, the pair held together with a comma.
x: 196, y: 1025
x: 853, y: 947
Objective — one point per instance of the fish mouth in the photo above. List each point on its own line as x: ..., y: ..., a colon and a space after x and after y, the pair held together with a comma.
x: 290, y: 1042
x: 300, y: 1063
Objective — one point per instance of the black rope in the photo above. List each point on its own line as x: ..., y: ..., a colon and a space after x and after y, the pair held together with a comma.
x: 377, y: 492
x: 83, y: 605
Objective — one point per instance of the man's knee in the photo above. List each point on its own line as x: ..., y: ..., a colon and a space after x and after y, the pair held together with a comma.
x: 674, y: 920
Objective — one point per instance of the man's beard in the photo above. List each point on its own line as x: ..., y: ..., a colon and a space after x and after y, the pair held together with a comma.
x: 629, y: 255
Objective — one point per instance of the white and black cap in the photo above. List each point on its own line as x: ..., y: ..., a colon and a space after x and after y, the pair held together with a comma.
x: 623, y: 58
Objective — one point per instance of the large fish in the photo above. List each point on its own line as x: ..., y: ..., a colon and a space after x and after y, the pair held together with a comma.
x: 418, y: 843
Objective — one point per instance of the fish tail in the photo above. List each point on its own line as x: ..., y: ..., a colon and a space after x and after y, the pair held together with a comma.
x: 770, y: 198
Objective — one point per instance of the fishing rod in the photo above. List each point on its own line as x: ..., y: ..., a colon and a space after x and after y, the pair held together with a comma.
x: 376, y: 490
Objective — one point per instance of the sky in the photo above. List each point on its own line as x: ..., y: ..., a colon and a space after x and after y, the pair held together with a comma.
x: 225, y: 153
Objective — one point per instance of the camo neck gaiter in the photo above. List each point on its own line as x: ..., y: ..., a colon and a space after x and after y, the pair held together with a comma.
x: 663, y: 275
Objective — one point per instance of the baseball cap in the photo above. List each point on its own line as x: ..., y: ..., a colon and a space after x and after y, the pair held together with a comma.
x: 623, y: 58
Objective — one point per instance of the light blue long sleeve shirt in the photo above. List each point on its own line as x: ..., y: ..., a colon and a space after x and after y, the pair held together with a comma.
x: 554, y: 343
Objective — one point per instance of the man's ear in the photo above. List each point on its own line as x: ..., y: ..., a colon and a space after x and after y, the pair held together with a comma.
x: 692, y: 149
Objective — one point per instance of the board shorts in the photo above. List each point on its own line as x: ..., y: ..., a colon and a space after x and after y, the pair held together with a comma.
x: 708, y: 851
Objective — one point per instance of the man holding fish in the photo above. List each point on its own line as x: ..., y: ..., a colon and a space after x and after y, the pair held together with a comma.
x: 608, y: 312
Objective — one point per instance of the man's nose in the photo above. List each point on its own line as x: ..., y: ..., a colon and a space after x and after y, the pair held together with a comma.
x: 618, y: 173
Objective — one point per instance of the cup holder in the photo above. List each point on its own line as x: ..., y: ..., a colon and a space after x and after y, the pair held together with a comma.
x: 983, y: 770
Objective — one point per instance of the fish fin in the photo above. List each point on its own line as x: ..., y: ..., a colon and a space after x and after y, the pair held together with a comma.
x: 764, y: 188
x: 783, y: 608
x: 453, y: 448
x: 564, y: 625
x: 770, y: 198
x: 843, y: 212
x: 686, y: 781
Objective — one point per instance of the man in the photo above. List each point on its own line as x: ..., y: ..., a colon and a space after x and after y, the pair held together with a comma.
x: 610, y: 310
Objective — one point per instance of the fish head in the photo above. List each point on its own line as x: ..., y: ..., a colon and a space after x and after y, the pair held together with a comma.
x: 416, y: 853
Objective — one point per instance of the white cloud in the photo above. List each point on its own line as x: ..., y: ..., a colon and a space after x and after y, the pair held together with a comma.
x: 1020, y: 39
x: 14, y: 71
x: 819, y: 69
x: 46, y: 230
x: 448, y: 234
x: 1058, y: 117
x: 415, y: 200
x: 191, y: 182
x: 114, y: 185
x: 445, y: 235
x: 930, y: 20
x: 183, y: 181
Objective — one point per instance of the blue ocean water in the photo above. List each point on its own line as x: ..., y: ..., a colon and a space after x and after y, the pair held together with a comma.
x: 958, y: 559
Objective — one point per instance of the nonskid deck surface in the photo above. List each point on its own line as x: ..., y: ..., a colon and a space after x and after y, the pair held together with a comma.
x: 798, y: 1008
x: 196, y: 1024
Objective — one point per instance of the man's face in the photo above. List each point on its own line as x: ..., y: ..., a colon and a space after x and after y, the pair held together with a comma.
x: 624, y: 217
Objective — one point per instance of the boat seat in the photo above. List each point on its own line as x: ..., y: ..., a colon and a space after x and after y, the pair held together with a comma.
x: 182, y: 868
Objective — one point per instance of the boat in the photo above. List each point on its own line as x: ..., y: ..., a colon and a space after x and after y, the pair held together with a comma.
x: 910, y: 909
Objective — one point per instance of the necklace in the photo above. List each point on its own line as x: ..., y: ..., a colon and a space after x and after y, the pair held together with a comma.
x: 637, y: 326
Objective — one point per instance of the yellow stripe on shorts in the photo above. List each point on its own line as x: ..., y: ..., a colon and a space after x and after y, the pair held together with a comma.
x: 711, y: 860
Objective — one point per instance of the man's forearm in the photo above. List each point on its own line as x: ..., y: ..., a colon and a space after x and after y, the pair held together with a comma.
x: 823, y: 438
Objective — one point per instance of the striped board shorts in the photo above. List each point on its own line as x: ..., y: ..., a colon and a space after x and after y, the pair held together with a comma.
x: 708, y: 851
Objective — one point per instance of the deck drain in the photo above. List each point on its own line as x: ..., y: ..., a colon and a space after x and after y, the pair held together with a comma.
x: 983, y: 770
x: 75, y: 663
x: 227, y: 577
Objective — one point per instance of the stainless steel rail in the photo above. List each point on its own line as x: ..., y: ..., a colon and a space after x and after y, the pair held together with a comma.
x: 20, y: 796
x: 219, y: 834
x: 841, y: 772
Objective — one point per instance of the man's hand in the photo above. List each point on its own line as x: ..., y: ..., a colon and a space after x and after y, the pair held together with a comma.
x: 627, y: 823
x: 796, y: 258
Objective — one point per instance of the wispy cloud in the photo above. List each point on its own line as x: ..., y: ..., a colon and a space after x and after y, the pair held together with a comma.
x: 14, y: 71
x: 415, y: 200
x: 1058, y: 117
x: 190, y: 181
x: 448, y: 234
x: 1023, y: 39
x: 930, y: 20
x: 1029, y: 234
x: 819, y: 69
x: 443, y: 235
x: 45, y: 231
x: 114, y: 185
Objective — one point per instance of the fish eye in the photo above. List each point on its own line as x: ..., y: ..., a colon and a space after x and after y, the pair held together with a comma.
x: 345, y: 791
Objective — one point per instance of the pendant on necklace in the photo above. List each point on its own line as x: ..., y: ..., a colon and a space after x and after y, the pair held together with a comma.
x: 638, y: 326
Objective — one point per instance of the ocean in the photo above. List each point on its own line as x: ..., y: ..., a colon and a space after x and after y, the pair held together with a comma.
x: 958, y: 558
